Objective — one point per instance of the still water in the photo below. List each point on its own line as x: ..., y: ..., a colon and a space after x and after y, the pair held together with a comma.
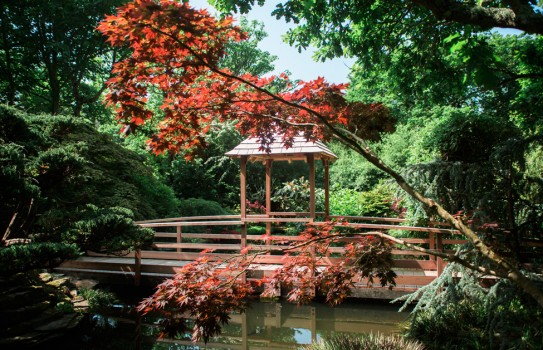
x: 266, y: 325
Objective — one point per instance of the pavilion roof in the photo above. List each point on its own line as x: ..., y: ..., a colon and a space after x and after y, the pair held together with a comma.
x: 300, y: 149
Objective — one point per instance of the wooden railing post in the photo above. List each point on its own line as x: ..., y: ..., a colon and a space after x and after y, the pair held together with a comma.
x: 179, y: 238
x: 432, y: 237
x: 137, y: 267
x: 439, y: 246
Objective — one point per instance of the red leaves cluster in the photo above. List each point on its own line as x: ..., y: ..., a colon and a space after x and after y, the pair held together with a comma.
x: 175, y: 50
x: 307, y: 272
x: 203, y: 290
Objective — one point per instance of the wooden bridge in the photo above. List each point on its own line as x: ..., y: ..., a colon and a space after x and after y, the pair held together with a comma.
x: 179, y: 241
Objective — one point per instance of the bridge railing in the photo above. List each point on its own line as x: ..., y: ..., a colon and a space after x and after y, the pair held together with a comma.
x: 185, y: 238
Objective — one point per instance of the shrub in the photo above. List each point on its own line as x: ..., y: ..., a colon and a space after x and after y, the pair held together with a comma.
x: 365, y: 342
x: 293, y: 196
x: 379, y: 202
x: 25, y: 257
x: 201, y: 207
x: 98, y: 299
x: 459, y: 313
x: 107, y: 230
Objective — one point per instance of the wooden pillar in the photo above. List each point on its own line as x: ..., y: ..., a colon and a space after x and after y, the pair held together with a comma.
x: 269, y: 163
x: 311, y: 162
x: 326, y: 165
x: 243, y: 187
x: 243, y: 207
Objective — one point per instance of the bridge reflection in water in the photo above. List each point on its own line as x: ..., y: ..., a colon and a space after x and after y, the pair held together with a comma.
x: 286, y: 326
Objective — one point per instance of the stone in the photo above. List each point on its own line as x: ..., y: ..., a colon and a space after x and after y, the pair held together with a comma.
x: 84, y: 283
x: 57, y: 283
x: 46, y: 277
x: 67, y: 321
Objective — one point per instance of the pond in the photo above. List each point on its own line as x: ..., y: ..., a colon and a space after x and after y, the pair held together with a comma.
x: 266, y: 325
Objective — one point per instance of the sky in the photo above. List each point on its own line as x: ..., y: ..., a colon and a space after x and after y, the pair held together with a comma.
x: 301, y: 65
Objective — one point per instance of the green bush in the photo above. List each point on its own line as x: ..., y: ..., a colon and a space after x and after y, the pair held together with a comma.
x: 98, y: 299
x: 25, y: 257
x: 456, y: 312
x: 108, y: 230
x: 365, y: 342
x: 293, y: 196
x: 52, y: 166
x: 201, y: 207
x: 379, y: 202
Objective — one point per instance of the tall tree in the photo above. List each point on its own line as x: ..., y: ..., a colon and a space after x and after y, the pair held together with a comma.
x: 51, y: 57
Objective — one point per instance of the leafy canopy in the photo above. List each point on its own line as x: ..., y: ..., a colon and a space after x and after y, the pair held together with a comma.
x: 176, y: 49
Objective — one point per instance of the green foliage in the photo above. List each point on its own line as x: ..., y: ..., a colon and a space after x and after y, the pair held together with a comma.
x: 106, y: 230
x: 98, y: 299
x: 369, y: 341
x: 25, y: 257
x: 245, y: 57
x: 52, y: 58
x: 293, y: 196
x: 201, y: 207
x: 350, y: 171
x: 64, y: 307
x: 465, y: 135
x: 256, y: 230
x: 379, y: 202
x: 457, y: 312
x: 72, y: 182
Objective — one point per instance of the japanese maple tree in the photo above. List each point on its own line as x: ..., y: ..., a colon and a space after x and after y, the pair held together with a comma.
x: 176, y: 50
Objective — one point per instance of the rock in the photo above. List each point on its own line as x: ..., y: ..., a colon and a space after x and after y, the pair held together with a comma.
x: 82, y: 304
x: 68, y: 321
x: 21, y: 297
x: 59, y: 282
x: 84, y: 283
x: 46, y: 277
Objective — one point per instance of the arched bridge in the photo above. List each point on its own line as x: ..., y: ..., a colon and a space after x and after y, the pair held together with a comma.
x: 183, y: 239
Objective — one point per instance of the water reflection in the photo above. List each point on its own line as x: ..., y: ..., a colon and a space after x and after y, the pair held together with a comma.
x: 264, y: 326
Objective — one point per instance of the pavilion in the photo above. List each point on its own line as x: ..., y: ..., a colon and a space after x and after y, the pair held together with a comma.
x: 301, y: 150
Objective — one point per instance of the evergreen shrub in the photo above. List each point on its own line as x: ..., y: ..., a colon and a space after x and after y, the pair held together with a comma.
x: 25, y: 257
x: 201, y: 207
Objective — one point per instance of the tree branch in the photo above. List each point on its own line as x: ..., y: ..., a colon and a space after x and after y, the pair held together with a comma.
x: 520, y: 15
